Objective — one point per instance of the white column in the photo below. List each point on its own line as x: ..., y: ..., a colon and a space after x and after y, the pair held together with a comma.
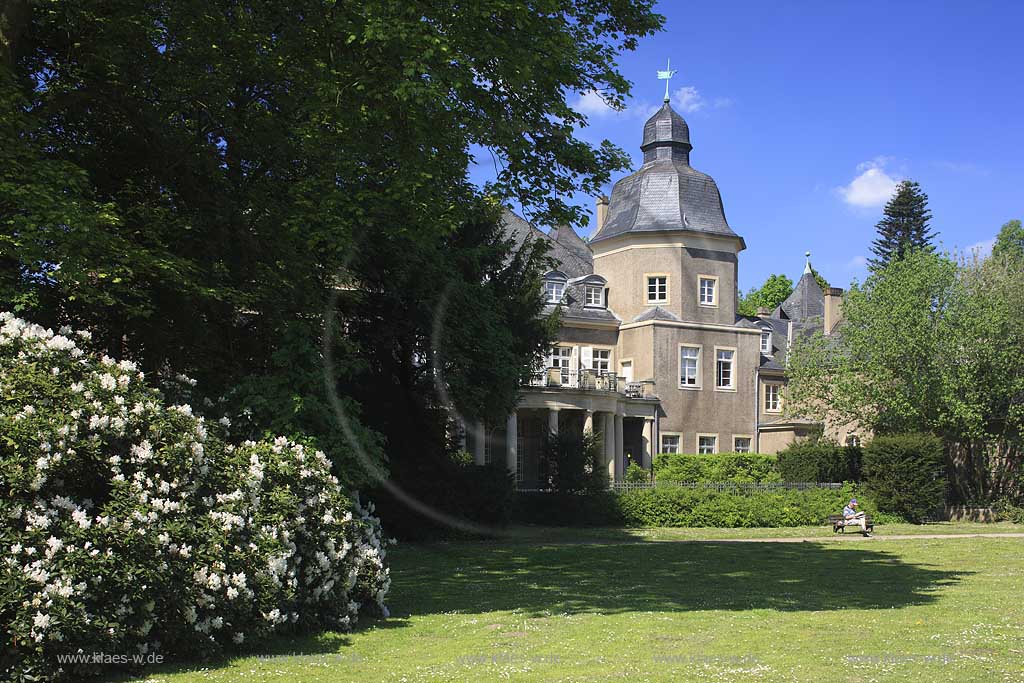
x: 512, y: 443
x: 479, y: 434
x: 588, y: 421
x: 553, y: 420
x: 618, y: 447
x: 648, y: 445
x: 608, y: 434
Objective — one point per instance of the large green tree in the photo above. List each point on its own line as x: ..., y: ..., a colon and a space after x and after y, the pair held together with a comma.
x: 194, y: 181
x: 927, y: 344
x: 904, y: 226
x: 769, y: 295
x: 1010, y: 241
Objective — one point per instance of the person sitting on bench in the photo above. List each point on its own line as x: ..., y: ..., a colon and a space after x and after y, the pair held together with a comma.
x: 853, y: 517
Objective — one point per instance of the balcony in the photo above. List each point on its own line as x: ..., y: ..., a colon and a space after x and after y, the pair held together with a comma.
x: 592, y: 380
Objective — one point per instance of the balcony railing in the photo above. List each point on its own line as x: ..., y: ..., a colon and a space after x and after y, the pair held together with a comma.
x: 592, y: 380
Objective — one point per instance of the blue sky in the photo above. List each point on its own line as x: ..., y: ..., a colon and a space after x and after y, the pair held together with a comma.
x: 807, y: 113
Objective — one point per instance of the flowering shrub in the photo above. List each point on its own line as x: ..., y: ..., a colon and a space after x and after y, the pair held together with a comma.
x: 132, y: 527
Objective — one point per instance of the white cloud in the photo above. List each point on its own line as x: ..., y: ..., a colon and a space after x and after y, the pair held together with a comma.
x: 689, y: 99
x: 982, y: 249
x: 592, y: 104
x: 872, y: 187
x: 856, y: 262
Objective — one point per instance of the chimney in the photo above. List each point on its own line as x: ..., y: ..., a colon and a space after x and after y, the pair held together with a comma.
x: 602, y: 211
x: 833, y: 308
x: 764, y: 312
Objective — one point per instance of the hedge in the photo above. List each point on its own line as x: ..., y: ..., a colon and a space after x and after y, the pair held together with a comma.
x: 906, y: 474
x: 568, y: 509
x: 717, y: 468
x: 670, y: 506
x: 819, y: 460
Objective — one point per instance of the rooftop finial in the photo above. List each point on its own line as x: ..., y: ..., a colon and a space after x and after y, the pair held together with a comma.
x: 665, y: 75
x: 807, y: 266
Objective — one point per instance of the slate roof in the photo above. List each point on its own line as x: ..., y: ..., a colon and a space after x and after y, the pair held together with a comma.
x: 573, y: 259
x: 657, y: 313
x: 666, y: 193
x: 806, y: 301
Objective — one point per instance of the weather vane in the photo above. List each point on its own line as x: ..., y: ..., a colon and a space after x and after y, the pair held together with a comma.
x: 665, y: 75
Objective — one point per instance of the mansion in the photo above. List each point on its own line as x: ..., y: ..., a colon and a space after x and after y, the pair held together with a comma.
x: 652, y: 354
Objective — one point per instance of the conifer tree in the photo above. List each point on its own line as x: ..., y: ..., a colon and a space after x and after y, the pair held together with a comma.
x: 904, y: 227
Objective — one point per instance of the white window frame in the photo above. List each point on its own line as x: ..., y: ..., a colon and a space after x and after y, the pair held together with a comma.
x: 766, y: 336
x: 714, y: 448
x: 679, y: 442
x: 594, y: 360
x: 679, y: 367
x: 647, y: 289
x: 549, y: 286
x: 713, y: 279
x: 588, y: 291
x: 732, y: 368
x: 778, y: 397
x: 750, y: 443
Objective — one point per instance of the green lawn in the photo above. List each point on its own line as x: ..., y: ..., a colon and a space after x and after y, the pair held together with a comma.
x: 627, y: 608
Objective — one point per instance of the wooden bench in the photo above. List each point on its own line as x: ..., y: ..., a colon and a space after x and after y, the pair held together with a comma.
x: 839, y: 524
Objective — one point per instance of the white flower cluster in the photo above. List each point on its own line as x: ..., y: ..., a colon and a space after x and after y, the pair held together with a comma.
x: 130, y: 525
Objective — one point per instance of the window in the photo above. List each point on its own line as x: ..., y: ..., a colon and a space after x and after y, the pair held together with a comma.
x: 741, y: 444
x: 707, y: 286
x: 594, y: 296
x: 657, y: 289
x: 602, y: 361
x: 689, y: 366
x: 772, y: 398
x: 707, y: 443
x: 669, y: 443
x: 766, y: 341
x: 560, y: 358
x: 724, y: 369
x: 555, y: 290
x: 853, y: 440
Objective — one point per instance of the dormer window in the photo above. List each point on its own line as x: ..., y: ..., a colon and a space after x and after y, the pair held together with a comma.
x: 766, y: 341
x: 555, y: 290
x: 594, y: 296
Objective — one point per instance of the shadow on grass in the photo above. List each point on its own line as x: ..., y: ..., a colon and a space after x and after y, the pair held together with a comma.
x: 657, y: 577
x: 324, y: 648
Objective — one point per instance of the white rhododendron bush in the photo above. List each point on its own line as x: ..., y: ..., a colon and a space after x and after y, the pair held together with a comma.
x: 132, y: 527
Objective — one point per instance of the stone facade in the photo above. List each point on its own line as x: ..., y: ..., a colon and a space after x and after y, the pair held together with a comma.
x: 652, y: 354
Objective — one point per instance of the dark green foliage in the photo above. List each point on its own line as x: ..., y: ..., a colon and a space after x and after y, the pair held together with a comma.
x: 716, y: 468
x: 599, y: 508
x: 905, y: 474
x: 670, y: 506
x: 572, y: 463
x: 636, y: 474
x: 210, y: 176
x: 819, y: 460
x: 904, y: 227
x: 769, y: 295
x: 479, y: 495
